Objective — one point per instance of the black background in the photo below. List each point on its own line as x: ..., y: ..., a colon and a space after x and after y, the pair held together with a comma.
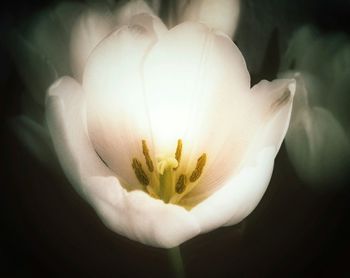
x: 48, y: 230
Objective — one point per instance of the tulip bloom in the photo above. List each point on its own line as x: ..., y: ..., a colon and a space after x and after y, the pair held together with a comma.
x: 160, y: 131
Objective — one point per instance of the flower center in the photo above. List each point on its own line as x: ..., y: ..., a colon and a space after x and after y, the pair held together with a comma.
x: 167, y: 181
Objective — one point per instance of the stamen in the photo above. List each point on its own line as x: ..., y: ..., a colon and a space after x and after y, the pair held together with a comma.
x: 199, y: 168
x: 178, y: 151
x: 181, y: 184
x: 140, y: 174
x: 147, y: 156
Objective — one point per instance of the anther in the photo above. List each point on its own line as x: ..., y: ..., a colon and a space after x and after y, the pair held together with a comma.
x: 181, y: 184
x: 199, y: 168
x: 178, y: 152
x: 140, y: 174
x: 145, y: 151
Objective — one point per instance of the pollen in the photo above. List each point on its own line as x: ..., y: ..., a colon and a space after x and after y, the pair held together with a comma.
x: 178, y: 151
x: 145, y: 152
x: 181, y: 184
x: 199, y: 168
x: 140, y: 174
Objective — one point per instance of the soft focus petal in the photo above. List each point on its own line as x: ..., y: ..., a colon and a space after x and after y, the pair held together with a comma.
x: 339, y: 98
x: 316, y: 142
x: 155, y: 5
x: 36, y: 139
x: 318, y: 146
x: 221, y: 15
x: 51, y: 35
x: 117, y: 113
x: 91, y: 27
x: 325, y: 58
x: 135, y: 214
x: 33, y: 65
x: 41, y: 54
x: 124, y: 13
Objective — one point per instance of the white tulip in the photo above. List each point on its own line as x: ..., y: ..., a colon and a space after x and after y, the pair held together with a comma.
x: 163, y: 135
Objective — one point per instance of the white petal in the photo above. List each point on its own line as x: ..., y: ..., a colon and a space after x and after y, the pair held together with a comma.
x: 220, y: 14
x: 117, y: 115
x: 273, y: 107
x: 190, y: 74
x: 91, y: 27
x: 139, y: 217
x: 135, y: 214
x: 236, y: 200
x: 65, y: 111
x: 241, y: 194
x: 263, y: 123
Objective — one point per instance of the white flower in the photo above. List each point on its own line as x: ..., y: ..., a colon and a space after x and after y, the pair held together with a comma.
x: 160, y: 131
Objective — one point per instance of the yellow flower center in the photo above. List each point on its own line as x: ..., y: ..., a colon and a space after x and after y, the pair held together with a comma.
x: 166, y: 181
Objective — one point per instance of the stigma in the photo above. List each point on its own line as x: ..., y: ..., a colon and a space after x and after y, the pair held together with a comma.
x: 162, y: 177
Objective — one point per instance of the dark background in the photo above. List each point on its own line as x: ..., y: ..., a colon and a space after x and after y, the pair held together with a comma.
x: 48, y: 230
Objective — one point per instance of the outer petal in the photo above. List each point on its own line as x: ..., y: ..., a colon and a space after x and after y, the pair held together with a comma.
x: 91, y: 27
x: 242, y: 192
x: 220, y: 14
x: 117, y: 116
x: 132, y: 214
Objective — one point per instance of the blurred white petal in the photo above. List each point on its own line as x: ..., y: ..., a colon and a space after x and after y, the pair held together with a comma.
x: 221, y: 15
x: 51, y: 35
x: 36, y: 139
x: 316, y: 143
x: 91, y: 27
x: 124, y: 13
x: 41, y: 54
x: 318, y: 140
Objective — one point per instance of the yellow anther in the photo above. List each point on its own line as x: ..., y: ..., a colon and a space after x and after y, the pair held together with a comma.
x: 140, y: 174
x: 181, y: 184
x: 199, y: 168
x: 145, y: 151
x: 178, y: 151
